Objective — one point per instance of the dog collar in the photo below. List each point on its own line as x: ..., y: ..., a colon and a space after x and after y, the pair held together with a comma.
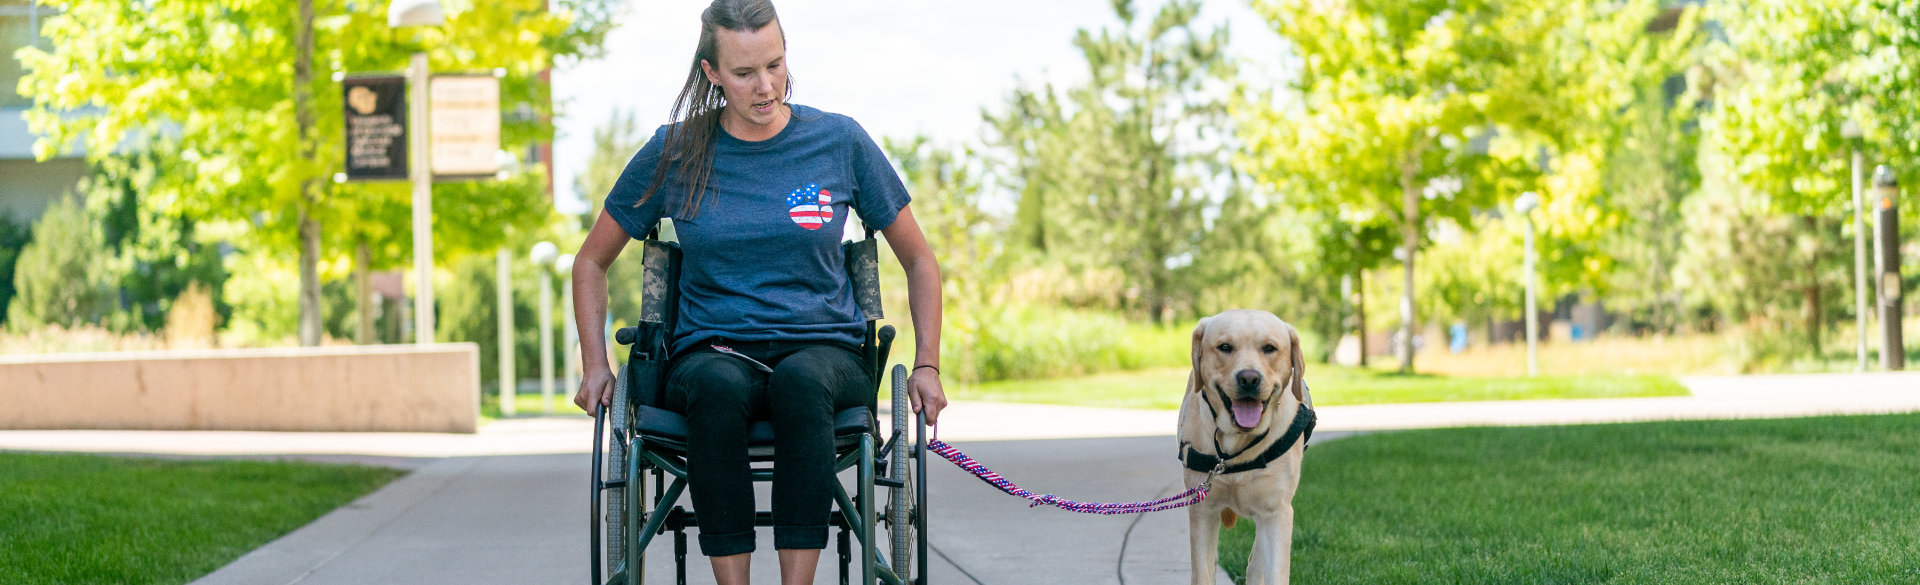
x: 1300, y: 430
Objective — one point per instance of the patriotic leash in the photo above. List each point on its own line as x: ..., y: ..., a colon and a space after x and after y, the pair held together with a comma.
x: 1187, y: 498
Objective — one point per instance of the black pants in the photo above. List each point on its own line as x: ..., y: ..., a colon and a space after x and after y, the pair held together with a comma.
x: 722, y: 394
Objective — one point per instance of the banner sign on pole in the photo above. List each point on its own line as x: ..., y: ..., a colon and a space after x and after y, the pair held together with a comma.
x: 465, y: 110
x: 376, y: 117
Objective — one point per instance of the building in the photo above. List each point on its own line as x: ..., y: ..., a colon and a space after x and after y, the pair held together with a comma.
x: 27, y: 186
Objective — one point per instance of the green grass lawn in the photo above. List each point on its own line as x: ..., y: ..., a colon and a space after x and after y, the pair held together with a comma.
x: 93, y: 519
x: 1164, y: 387
x: 1811, y: 500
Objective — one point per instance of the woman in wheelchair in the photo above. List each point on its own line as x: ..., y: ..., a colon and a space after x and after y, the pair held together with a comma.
x: 760, y: 191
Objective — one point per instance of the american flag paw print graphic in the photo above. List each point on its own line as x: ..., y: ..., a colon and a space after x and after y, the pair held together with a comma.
x: 810, y: 206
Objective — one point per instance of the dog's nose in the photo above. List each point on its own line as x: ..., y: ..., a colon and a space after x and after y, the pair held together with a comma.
x: 1248, y: 378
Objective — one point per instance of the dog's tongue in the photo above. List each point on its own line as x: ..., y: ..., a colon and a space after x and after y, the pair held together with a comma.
x: 1246, y: 412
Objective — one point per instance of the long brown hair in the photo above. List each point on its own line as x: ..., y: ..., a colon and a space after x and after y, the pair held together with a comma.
x: 688, y: 153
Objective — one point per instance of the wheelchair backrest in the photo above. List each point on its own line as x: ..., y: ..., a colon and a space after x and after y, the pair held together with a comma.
x: 660, y: 308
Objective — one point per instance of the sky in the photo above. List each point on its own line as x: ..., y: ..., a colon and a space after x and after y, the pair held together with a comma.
x: 898, y: 67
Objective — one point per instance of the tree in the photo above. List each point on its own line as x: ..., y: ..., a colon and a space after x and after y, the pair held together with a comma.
x: 229, y: 83
x: 1789, y: 76
x: 614, y: 145
x: 62, y: 278
x: 14, y: 237
x: 946, y: 202
x: 1124, y: 162
x: 1431, y: 110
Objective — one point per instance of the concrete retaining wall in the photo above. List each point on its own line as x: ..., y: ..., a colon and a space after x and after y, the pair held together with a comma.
x: 433, y: 388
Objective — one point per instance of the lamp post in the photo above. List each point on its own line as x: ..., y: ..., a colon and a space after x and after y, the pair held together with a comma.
x: 543, y: 255
x: 1524, y: 205
x: 570, y: 349
x: 420, y: 13
x: 1886, y: 239
x: 1850, y: 130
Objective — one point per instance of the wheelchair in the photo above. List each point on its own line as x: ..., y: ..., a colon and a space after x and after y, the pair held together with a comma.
x: 635, y: 439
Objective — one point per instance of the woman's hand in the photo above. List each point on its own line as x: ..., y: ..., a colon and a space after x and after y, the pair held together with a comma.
x: 925, y: 393
x: 596, y: 387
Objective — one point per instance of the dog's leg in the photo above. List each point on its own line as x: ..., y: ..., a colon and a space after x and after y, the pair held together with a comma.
x: 1272, y: 555
x: 1203, y: 532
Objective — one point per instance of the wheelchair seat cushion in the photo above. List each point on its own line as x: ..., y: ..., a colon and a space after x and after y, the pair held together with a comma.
x: 666, y: 428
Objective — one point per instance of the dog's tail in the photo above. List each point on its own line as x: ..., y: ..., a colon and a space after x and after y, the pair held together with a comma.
x: 1227, y: 517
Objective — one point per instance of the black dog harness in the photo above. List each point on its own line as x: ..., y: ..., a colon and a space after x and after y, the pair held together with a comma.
x: 1300, y: 430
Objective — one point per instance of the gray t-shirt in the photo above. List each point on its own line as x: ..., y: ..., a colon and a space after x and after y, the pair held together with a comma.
x: 761, y: 260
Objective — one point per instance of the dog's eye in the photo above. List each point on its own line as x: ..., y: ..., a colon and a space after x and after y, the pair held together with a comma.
x: 1270, y: 349
x: 1225, y: 348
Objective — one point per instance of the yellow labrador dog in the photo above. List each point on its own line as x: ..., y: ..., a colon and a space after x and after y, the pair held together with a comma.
x: 1244, y: 425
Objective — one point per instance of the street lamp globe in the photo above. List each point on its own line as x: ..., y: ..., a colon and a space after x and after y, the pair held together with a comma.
x: 544, y: 254
x: 415, y: 13
x: 563, y: 264
x: 1526, y: 202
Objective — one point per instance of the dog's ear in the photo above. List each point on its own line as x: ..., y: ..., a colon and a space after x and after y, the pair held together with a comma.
x: 1299, y: 366
x: 1193, y: 376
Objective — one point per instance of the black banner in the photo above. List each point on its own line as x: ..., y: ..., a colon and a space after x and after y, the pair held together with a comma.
x: 376, y: 109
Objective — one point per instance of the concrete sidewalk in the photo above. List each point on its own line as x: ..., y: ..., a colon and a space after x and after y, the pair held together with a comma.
x: 509, y: 504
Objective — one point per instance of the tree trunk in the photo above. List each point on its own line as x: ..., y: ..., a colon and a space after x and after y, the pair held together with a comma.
x: 1409, y: 242
x: 1812, y: 287
x: 309, y: 227
x: 1360, y: 312
x: 309, y: 280
x: 363, y: 294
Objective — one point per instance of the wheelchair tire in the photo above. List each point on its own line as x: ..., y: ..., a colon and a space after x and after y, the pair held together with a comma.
x: 617, y: 471
x: 900, y: 503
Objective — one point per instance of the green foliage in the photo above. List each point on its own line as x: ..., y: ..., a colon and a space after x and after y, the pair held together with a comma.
x: 1784, y: 85
x: 1475, y: 273
x: 157, y: 254
x: 64, y: 277
x: 92, y: 519
x: 263, y: 290
x: 14, y: 237
x: 210, y: 84
x: 1788, y: 77
x: 469, y: 311
x: 1117, y: 173
x: 1669, y: 502
x: 1040, y: 342
x: 1431, y: 112
x: 1652, y: 171
x: 966, y: 242
x: 614, y: 145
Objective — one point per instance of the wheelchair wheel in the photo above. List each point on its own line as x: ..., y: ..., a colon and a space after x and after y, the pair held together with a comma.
x: 900, y: 511
x: 617, y: 471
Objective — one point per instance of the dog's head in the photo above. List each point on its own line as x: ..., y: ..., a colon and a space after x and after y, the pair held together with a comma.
x: 1243, y: 359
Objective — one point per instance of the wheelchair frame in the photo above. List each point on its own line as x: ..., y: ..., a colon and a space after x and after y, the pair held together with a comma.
x: 630, y: 457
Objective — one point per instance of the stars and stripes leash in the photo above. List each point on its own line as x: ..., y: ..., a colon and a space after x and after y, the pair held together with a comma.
x: 1183, y: 499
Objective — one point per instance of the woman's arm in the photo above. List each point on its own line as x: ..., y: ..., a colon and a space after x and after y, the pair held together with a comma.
x: 603, y: 245
x: 923, y: 300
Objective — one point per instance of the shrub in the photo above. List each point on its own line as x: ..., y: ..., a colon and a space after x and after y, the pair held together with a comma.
x: 62, y: 278
x: 1038, y: 342
x: 13, y: 237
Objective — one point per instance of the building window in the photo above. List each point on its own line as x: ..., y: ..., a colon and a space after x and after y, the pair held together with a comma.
x: 19, y: 27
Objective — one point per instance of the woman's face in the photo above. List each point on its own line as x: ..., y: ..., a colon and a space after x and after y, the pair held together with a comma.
x: 751, y: 73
